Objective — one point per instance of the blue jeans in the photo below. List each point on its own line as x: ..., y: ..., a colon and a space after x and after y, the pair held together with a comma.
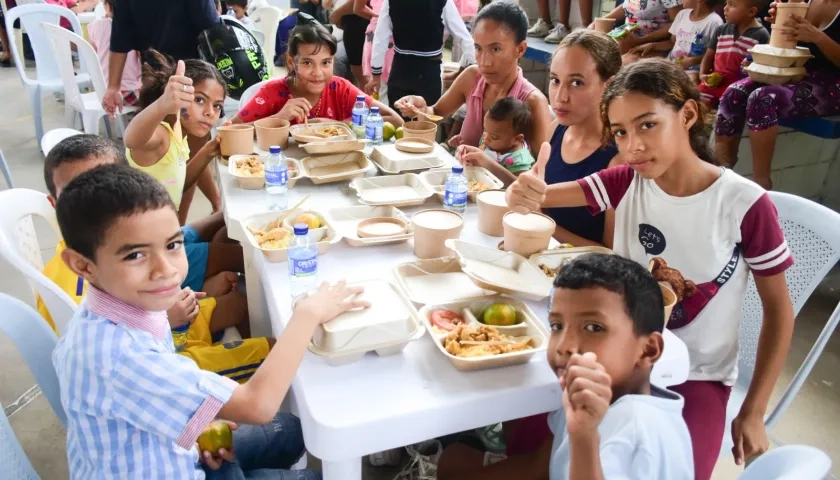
x: 265, y: 452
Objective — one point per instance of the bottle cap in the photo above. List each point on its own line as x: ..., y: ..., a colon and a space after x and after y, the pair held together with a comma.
x: 458, y: 169
x: 360, y: 98
x: 301, y: 229
x: 274, y: 149
x: 182, y: 329
x: 374, y: 109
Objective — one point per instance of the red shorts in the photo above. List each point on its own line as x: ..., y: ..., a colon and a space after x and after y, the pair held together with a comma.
x: 705, y: 414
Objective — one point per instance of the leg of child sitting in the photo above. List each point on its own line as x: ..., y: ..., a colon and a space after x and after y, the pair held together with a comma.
x: 220, y: 284
x: 231, y: 311
x: 208, y: 227
x: 457, y: 460
x: 224, y: 257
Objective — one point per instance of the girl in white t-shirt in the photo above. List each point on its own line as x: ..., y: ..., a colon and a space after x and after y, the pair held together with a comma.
x: 707, y: 227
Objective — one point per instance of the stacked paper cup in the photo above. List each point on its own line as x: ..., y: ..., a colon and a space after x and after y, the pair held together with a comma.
x: 781, y: 61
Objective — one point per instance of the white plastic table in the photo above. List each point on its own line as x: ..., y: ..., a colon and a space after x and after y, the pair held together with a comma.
x: 380, y: 403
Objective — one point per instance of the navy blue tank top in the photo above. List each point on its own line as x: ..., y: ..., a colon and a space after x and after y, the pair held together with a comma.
x: 577, y: 220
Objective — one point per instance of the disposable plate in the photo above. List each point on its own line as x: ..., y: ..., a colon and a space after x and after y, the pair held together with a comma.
x: 397, y: 190
x: 324, y: 238
x: 346, y: 221
x: 299, y: 132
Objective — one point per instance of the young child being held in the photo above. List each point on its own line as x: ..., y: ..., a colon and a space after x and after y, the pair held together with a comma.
x: 207, y: 316
x: 696, y: 17
x: 729, y: 46
x: 99, y: 34
x: 134, y: 407
x: 606, y: 316
x: 156, y: 143
x: 502, y: 148
x: 674, y: 204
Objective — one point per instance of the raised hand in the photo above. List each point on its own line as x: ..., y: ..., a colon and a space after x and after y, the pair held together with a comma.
x: 527, y: 193
x: 587, y: 392
x: 179, y: 92
x: 410, y: 106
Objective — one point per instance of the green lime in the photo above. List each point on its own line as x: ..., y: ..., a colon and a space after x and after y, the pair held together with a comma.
x: 500, y: 315
x: 388, y: 131
x: 399, y: 133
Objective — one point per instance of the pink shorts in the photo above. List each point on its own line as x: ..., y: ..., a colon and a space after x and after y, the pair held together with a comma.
x: 705, y: 414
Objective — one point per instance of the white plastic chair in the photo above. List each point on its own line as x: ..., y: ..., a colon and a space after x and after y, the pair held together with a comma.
x: 812, y: 232
x: 47, y: 79
x: 52, y: 137
x: 36, y: 341
x: 14, y: 462
x: 7, y: 174
x: 790, y: 462
x: 267, y: 19
x: 19, y: 247
x: 87, y: 105
x: 249, y: 93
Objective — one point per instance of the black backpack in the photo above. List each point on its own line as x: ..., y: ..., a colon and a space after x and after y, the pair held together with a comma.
x: 234, y: 51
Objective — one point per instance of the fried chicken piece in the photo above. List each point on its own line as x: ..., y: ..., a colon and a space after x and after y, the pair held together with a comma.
x: 663, y: 273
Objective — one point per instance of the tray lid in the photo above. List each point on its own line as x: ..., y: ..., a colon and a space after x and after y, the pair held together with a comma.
x: 437, y: 280
x: 387, y: 305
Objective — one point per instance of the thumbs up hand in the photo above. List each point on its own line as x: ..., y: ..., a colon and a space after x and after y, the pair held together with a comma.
x: 527, y: 193
x: 179, y: 92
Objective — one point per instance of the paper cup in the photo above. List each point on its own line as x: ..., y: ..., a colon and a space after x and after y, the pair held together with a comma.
x: 527, y: 234
x: 432, y: 228
x: 492, y: 208
x: 420, y: 129
x: 669, y: 299
x: 604, y: 24
x: 784, y: 12
x: 237, y: 139
x: 272, y: 131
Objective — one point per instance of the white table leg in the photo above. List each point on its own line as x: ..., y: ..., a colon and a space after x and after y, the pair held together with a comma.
x: 257, y: 308
x: 350, y: 469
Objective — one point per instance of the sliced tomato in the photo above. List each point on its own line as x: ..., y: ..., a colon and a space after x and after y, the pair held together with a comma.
x: 445, y: 319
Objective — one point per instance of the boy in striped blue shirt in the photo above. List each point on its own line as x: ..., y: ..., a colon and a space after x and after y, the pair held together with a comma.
x: 134, y: 407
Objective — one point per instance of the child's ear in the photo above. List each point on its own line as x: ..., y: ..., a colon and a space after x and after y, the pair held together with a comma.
x: 520, y: 137
x: 79, y: 264
x: 652, y: 349
x: 690, y: 114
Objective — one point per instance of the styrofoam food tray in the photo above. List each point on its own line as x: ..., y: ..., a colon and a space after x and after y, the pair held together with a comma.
x: 346, y: 220
x: 298, y: 132
x: 533, y: 327
x: 392, y: 161
x: 334, y: 146
x: 555, y: 257
x: 503, y: 272
x: 336, y: 167
x: 397, y: 190
x: 386, y: 327
x: 437, y: 180
x: 253, y: 181
x: 436, y: 280
x: 324, y: 238
x: 289, y: 221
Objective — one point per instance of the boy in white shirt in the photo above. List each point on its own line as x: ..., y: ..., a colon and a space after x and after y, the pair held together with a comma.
x: 607, y: 316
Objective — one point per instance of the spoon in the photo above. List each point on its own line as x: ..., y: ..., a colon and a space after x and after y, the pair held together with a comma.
x: 433, y: 118
x: 309, y: 131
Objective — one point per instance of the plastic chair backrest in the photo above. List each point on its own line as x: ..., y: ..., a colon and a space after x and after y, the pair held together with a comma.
x: 812, y: 232
x: 54, y: 136
x: 36, y: 341
x: 61, y: 40
x: 31, y: 17
x: 267, y: 19
x: 790, y: 462
x: 14, y: 461
x: 19, y: 247
x: 249, y: 93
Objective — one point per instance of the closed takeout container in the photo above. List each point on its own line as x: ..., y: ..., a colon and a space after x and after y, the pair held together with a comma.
x: 437, y: 180
x: 346, y: 221
x: 299, y: 132
x: 392, y: 161
x: 397, y: 190
x: 335, y: 168
x: 533, y: 328
x: 774, y: 75
x: 499, y: 271
x: 386, y: 327
x: 334, y: 146
x: 780, y: 57
x: 436, y: 280
x: 324, y: 238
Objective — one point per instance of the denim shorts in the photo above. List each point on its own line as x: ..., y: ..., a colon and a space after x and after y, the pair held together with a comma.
x: 197, y: 253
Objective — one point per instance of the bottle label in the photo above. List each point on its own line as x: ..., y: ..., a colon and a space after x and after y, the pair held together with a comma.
x: 373, y: 132
x: 358, y: 119
x: 303, y: 267
x: 455, y: 199
x: 276, y: 177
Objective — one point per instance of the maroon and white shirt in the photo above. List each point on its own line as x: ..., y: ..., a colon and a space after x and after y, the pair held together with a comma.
x: 714, y: 238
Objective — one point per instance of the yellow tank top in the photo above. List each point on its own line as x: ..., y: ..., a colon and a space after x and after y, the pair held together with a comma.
x: 171, y: 170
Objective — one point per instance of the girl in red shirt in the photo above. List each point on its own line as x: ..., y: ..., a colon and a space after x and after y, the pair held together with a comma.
x: 310, y: 90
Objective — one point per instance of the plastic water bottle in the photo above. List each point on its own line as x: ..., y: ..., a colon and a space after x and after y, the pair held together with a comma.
x: 276, y: 178
x: 455, y: 194
x: 179, y: 337
x: 303, y: 261
x: 373, y: 126
x: 360, y: 113
x: 698, y: 48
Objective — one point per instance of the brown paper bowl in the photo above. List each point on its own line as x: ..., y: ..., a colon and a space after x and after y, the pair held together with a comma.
x: 272, y: 131
x: 432, y: 228
x: 784, y: 12
x: 491, y: 210
x: 420, y: 129
x: 604, y: 24
x: 527, y: 234
x: 237, y: 139
x: 669, y: 299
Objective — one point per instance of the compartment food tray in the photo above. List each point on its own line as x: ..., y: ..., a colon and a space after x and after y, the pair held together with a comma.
x: 335, y: 167
x: 436, y: 280
x: 324, y: 238
x: 298, y: 132
x: 397, y: 190
x: 437, y: 180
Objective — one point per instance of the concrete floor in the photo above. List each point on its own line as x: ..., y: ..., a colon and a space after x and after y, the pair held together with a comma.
x: 812, y: 418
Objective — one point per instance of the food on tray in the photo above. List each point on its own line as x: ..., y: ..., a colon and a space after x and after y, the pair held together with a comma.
x: 445, y: 321
x: 663, y: 273
x: 476, y: 186
x: 310, y: 219
x: 500, y: 314
x: 217, y: 435
x: 482, y: 341
x: 331, y: 131
x: 552, y: 272
x: 251, y: 167
x: 272, y: 237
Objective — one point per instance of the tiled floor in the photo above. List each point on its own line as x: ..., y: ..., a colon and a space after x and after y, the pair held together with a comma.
x: 813, y: 418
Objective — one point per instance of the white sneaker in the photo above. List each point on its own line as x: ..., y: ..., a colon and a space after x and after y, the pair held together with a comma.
x: 557, y: 34
x: 424, y: 460
x: 540, y: 29
x: 387, y: 458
